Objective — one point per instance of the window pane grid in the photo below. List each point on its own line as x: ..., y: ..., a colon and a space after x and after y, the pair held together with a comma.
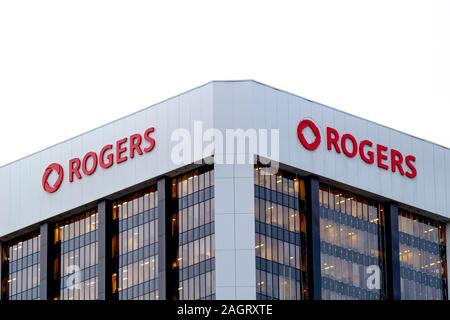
x: 136, y: 246
x: 22, y: 268
x: 193, y: 226
x: 280, y: 234
x: 76, y: 240
x: 352, y: 253
x: 422, y: 257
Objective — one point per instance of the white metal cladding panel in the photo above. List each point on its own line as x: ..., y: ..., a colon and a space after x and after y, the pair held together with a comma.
x: 24, y: 202
x: 447, y: 170
x: 440, y: 179
x: 272, y: 108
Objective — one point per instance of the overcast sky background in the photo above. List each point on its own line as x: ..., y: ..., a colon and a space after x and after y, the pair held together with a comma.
x: 70, y: 66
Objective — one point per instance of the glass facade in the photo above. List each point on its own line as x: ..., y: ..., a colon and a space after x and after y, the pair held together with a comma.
x: 76, y: 258
x: 423, y: 267
x: 135, y: 247
x: 280, y: 236
x: 351, y: 239
x: 193, y: 230
x: 21, y: 269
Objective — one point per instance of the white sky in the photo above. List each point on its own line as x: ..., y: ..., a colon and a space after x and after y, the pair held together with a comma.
x: 69, y: 66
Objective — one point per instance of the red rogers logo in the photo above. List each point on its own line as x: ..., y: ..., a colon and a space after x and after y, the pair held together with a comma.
x: 384, y: 157
x: 59, y: 170
x: 125, y: 148
x: 308, y: 124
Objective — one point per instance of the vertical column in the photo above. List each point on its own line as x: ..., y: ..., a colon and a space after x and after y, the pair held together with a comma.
x: 235, y: 231
x: 1, y: 271
x: 166, y: 243
x: 313, y: 238
x: 46, y: 261
x: 4, y: 272
x: 392, y: 252
x: 447, y: 253
x: 105, y: 267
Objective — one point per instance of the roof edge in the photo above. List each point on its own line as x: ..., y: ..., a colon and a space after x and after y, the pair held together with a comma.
x: 350, y: 114
x: 220, y: 81
x: 107, y: 123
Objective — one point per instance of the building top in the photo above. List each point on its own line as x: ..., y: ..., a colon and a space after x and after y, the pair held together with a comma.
x: 228, y: 81
x: 419, y: 175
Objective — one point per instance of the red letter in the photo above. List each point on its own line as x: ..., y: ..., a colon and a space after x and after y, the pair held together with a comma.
x: 410, y: 163
x: 150, y: 140
x: 135, y: 145
x: 120, y: 150
x: 110, y: 157
x: 344, y: 139
x: 397, y: 161
x: 381, y: 156
x: 333, y: 140
x: 370, y: 156
x: 74, y: 168
x: 86, y: 157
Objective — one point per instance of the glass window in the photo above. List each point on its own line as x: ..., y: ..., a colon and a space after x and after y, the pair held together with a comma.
x: 21, y: 268
x: 279, y: 212
x: 136, y: 274
x: 351, y: 246
x: 193, y: 226
x: 422, y: 257
x: 76, y: 273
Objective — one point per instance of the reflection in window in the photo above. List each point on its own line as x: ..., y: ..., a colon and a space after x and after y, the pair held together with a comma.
x: 280, y: 235
x: 76, y: 261
x: 422, y: 257
x: 136, y: 246
x: 21, y: 269
x: 351, y: 246
x: 193, y: 226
